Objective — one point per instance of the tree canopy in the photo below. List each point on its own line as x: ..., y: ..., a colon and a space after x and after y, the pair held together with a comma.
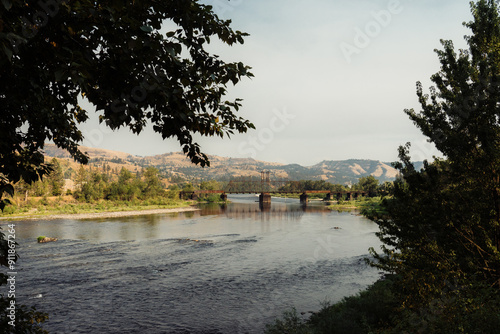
x: 442, y: 228
x: 137, y: 62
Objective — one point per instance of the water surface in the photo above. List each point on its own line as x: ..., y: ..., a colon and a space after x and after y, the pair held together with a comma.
x: 229, y: 269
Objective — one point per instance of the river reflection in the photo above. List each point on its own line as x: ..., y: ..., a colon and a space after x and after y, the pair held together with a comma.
x: 280, y: 208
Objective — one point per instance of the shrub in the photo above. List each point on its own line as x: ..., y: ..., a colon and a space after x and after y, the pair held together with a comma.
x: 9, y: 210
x: 290, y: 324
x: 370, y: 311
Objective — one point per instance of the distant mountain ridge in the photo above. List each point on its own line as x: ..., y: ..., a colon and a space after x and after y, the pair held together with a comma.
x: 224, y: 168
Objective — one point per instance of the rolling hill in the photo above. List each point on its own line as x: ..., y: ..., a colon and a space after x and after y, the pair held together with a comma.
x: 223, y: 168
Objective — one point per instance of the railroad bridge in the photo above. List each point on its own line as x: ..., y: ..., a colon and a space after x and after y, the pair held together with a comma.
x: 265, y: 186
x: 265, y: 196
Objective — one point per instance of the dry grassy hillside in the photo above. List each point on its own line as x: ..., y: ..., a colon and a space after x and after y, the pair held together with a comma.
x: 176, y: 165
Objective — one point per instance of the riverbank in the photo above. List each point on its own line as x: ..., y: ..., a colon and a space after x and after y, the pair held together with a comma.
x: 100, y: 215
x: 364, y: 205
x: 68, y: 208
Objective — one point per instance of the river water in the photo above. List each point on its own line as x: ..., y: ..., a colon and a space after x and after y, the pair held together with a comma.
x: 229, y: 269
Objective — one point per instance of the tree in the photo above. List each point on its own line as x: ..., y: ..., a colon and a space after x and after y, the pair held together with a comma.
x: 462, y: 120
x: 125, y: 176
x: 118, y: 57
x: 188, y: 187
x: 95, y: 187
x: 442, y: 233
x: 81, y: 177
x: 56, y: 178
x: 40, y: 188
x: 368, y: 184
x: 385, y: 188
x: 173, y: 191
x: 152, y: 184
x: 210, y: 185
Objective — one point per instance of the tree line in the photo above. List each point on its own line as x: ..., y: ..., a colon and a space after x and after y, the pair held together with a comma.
x: 105, y: 183
x: 368, y: 184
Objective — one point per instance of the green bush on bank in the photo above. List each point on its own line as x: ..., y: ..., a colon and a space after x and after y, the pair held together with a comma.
x: 214, y: 198
x: 369, y: 311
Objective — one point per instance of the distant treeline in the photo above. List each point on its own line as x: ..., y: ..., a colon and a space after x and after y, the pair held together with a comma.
x: 92, y: 183
x: 368, y: 184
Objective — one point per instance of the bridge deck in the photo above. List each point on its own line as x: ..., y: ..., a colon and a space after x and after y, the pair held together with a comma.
x: 274, y: 192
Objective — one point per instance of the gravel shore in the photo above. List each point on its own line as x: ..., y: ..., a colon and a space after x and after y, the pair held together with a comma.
x: 100, y: 215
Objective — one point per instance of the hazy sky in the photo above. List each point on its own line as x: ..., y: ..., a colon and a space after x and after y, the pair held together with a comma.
x: 332, y: 78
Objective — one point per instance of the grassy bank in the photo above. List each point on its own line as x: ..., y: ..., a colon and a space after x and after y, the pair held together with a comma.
x: 60, y: 205
x: 366, y: 205
x: 370, y: 311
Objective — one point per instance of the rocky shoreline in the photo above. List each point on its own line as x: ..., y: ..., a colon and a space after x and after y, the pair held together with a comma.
x: 99, y: 215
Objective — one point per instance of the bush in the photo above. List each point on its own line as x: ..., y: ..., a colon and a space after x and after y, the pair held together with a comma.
x: 369, y: 311
x: 213, y: 198
x: 9, y: 209
x: 290, y: 324
x: 44, y: 201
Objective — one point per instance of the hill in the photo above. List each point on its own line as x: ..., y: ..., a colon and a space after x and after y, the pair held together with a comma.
x: 176, y: 166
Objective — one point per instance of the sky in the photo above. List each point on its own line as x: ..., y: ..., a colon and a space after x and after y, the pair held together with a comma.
x: 332, y: 79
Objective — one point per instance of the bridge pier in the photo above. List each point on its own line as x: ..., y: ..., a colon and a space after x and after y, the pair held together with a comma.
x: 328, y: 197
x: 265, y: 198
x: 265, y: 207
x: 303, y: 198
x: 223, y: 196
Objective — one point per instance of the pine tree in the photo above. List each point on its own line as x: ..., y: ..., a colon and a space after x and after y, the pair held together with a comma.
x: 56, y: 178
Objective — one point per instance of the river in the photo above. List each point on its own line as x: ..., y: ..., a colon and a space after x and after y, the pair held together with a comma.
x: 228, y: 269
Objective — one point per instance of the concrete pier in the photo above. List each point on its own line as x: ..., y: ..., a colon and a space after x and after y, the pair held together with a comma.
x: 265, y: 198
x: 303, y: 198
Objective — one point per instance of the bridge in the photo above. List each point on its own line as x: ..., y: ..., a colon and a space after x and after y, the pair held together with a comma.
x: 264, y: 187
x: 265, y: 196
